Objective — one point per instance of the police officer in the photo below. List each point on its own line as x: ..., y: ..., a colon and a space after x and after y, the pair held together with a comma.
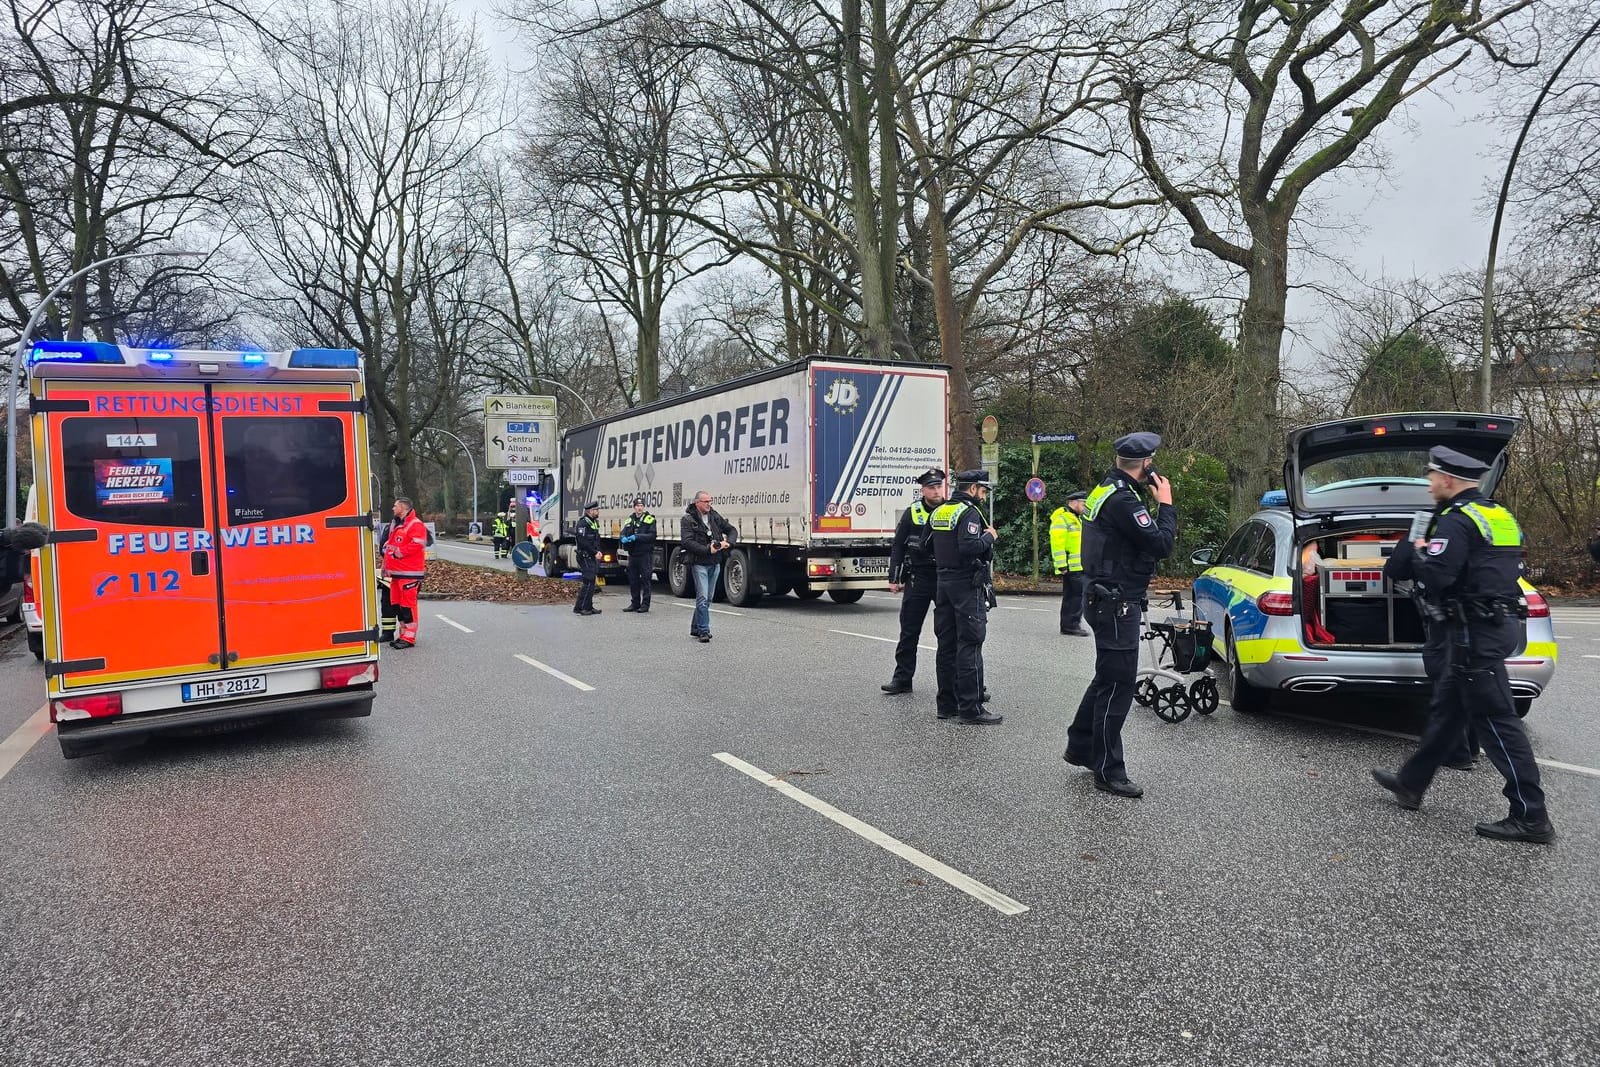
x: 502, y: 536
x: 963, y: 546
x: 1469, y: 564
x: 914, y: 575
x: 639, y: 536
x: 1066, y: 551
x: 588, y: 548
x: 1122, y: 542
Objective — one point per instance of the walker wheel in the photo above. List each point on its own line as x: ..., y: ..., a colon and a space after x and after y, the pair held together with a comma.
x: 1203, y: 694
x: 1144, y: 693
x: 1172, y: 703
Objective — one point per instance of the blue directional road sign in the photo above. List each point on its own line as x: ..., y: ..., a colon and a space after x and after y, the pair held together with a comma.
x: 523, y: 555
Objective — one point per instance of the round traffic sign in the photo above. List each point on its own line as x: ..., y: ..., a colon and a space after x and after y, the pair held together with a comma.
x: 523, y: 555
x: 991, y: 429
x: 1035, y: 489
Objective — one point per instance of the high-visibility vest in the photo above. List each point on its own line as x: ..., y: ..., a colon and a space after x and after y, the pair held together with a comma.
x: 1066, y: 540
x: 1498, y: 526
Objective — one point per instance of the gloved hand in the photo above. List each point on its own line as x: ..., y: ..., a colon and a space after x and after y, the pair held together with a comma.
x: 627, y: 539
x: 24, y: 538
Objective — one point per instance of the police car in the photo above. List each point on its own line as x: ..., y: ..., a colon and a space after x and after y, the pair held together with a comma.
x: 1297, y: 597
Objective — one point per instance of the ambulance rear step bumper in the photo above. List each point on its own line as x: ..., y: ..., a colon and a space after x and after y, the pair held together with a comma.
x: 88, y: 737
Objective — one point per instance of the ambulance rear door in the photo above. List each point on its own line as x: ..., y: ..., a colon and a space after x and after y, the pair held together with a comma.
x: 131, y: 591
x: 295, y: 527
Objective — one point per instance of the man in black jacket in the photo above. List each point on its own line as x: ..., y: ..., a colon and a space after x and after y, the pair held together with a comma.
x: 706, y: 537
x: 639, y: 538
x: 914, y: 574
x: 1122, y: 543
x: 587, y: 541
x: 962, y: 542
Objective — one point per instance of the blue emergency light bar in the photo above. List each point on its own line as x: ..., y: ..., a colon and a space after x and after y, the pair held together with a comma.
x: 325, y: 358
x: 75, y: 352
x: 1275, y: 498
x: 103, y: 352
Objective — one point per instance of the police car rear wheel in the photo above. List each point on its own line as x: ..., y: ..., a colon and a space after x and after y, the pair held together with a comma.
x: 1242, y: 696
x: 1523, y: 706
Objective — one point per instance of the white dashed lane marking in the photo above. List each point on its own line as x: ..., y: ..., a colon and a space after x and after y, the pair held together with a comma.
x: 552, y: 672
x: 23, y: 738
x: 448, y: 620
x: 947, y: 874
x: 885, y: 640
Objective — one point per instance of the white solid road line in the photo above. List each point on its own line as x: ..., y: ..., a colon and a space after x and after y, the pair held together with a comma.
x: 714, y: 611
x: 552, y: 672
x: 885, y: 640
x: 23, y: 738
x: 1589, y: 772
x: 452, y: 622
x: 949, y: 875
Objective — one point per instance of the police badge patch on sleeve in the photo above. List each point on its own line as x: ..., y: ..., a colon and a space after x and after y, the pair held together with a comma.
x: 972, y: 528
x: 1142, y: 517
x: 1438, y: 545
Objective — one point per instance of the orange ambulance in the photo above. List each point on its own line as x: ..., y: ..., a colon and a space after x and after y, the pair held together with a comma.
x: 211, y: 558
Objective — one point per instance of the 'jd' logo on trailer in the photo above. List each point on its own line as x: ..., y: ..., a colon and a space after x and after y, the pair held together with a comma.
x: 843, y: 396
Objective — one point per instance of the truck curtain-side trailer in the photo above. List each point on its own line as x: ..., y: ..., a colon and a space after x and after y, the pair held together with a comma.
x: 812, y: 462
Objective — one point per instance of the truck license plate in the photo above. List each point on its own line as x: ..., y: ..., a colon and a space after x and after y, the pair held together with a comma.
x: 248, y: 685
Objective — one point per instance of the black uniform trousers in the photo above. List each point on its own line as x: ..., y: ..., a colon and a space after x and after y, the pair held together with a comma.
x: 591, y: 572
x: 639, y: 574
x: 1435, y: 662
x: 1095, y: 736
x: 960, y: 623
x: 915, y: 599
x: 1071, y: 600
x: 1473, y: 690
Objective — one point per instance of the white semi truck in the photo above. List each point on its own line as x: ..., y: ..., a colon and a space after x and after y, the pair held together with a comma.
x: 812, y: 462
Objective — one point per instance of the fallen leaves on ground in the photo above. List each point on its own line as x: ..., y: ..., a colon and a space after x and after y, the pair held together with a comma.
x: 460, y: 581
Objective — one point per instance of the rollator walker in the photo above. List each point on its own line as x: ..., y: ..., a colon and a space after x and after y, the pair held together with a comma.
x: 1178, y: 646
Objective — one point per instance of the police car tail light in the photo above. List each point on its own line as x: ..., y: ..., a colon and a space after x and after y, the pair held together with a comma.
x: 820, y: 570
x: 349, y: 674
x: 98, y: 706
x: 1276, y: 602
x: 1538, y: 606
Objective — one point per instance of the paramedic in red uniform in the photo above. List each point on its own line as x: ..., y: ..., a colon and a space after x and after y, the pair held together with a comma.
x: 405, y: 559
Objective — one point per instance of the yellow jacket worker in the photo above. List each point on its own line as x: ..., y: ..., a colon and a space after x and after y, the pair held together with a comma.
x: 1066, y: 548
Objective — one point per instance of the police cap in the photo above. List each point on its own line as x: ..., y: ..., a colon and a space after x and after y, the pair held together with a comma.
x: 638, y: 500
x: 1456, y: 464
x: 593, y: 505
x: 931, y: 476
x: 973, y: 477
x: 1077, y: 494
x: 1137, y: 445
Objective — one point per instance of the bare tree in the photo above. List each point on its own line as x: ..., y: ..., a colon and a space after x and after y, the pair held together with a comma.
x: 112, y: 137
x: 363, y: 218
x: 1251, y: 104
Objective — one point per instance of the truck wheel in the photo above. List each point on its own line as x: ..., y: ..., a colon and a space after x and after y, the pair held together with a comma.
x: 846, y: 596
x: 808, y: 594
x: 678, y: 578
x: 739, y: 579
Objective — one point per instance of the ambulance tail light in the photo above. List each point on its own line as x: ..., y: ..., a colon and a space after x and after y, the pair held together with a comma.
x: 1538, y: 606
x: 27, y: 590
x: 1276, y: 602
x: 820, y: 570
x: 348, y: 674
x: 98, y: 706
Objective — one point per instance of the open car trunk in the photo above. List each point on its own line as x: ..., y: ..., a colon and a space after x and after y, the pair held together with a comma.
x: 1343, y: 598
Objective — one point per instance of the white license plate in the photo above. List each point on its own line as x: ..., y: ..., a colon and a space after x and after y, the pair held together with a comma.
x: 247, y: 685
